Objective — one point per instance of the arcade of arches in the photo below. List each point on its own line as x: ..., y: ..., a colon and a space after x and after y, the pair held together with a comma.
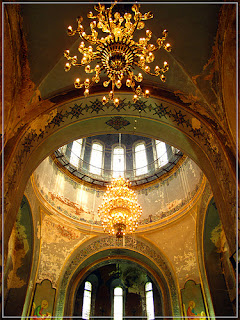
x: 182, y: 259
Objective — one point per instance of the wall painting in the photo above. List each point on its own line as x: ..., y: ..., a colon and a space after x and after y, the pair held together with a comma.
x: 193, y: 304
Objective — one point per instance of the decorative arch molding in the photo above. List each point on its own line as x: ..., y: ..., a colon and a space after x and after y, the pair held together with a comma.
x: 218, y: 277
x: 19, y: 262
x: 109, y: 248
x: 205, y: 200
x: 156, y: 118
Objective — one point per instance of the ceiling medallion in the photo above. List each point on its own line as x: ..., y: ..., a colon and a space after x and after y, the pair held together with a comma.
x: 119, y: 211
x: 116, y: 54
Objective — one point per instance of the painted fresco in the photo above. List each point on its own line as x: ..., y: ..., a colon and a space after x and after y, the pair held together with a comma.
x: 219, y: 270
x: 43, y: 301
x: 19, y: 261
x: 193, y: 304
x: 58, y: 241
x: 80, y: 202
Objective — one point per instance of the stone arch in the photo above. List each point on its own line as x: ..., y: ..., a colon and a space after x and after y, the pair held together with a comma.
x: 106, y: 248
x: 157, y: 118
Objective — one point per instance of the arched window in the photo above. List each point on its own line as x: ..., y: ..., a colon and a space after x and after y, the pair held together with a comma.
x: 149, y: 301
x: 86, y: 309
x: 140, y: 159
x: 161, y: 151
x: 118, y: 303
x: 76, y: 152
x: 118, y: 162
x: 96, y: 158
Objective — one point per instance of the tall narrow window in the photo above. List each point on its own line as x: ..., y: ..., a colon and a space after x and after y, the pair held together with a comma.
x: 118, y: 162
x: 140, y: 159
x: 118, y: 304
x: 76, y: 152
x: 96, y: 158
x: 162, y: 156
x: 149, y: 301
x: 86, y: 309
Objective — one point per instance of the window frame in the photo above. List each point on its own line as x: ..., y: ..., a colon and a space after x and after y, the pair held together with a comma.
x: 147, y: 307
x: 84, y: 299
x: 157, y: 164
x: 125, y: 158
x: 134, y: 158
x: 79, y: 156
x: 102, y: 163
x: 123, y: 302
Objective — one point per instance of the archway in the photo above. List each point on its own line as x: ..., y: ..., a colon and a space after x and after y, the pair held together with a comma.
x: 104, y: 277
x: 164, y: 120
x: 105, y: 250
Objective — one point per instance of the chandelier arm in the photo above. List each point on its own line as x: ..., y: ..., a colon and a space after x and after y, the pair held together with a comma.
x: 149, y: 72
x: 158, y: 47
x: 84, y: 64
x: 108, y: 12
x: 84, y: 38
x: 117, y: 52
x: 135, y: 26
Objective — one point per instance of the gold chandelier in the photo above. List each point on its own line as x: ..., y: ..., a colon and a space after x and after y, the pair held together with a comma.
x: 116, y: 54
x: 119, y: 211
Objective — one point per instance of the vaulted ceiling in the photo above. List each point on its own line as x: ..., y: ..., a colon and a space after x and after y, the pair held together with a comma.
x: 200, y: 79
x: 192, y: 31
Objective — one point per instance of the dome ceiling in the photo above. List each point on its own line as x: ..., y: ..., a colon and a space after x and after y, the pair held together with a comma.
x: 139, y: 159
x: 162, y: 201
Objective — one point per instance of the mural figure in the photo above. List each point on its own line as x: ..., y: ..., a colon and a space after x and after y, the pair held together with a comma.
x: 38, y: 311
x: 191, y: 314
x: 42, y: 307
x: 193, y: 303
x: 190, y: 310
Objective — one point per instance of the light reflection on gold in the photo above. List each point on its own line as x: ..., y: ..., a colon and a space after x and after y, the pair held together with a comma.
x: 116, y: 54
x: 119, y: 211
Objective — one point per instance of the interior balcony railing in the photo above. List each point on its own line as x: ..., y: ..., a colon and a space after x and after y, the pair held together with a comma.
x: 153, y: 170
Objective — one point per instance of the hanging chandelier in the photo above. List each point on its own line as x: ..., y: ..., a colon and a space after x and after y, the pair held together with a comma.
x: 119, y: 211
x: 116, y: 54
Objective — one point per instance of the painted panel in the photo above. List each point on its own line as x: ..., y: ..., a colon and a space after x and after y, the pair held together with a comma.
x: 19, y: 261
x: 43, y: 301
x: 193, y: 304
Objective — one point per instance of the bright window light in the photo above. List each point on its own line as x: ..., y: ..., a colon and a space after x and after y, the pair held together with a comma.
x: 118, y: 163
x: 76, y: 152
x: 86, y: 309
x: 118, y: 304
x: 175, y: 150
x: 161, y: 153
x: 96, y: 158
x: 149, y: 301
x: 140, y: 159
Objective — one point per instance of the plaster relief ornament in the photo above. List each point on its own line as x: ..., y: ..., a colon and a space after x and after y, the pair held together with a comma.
x: 117, y: 54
